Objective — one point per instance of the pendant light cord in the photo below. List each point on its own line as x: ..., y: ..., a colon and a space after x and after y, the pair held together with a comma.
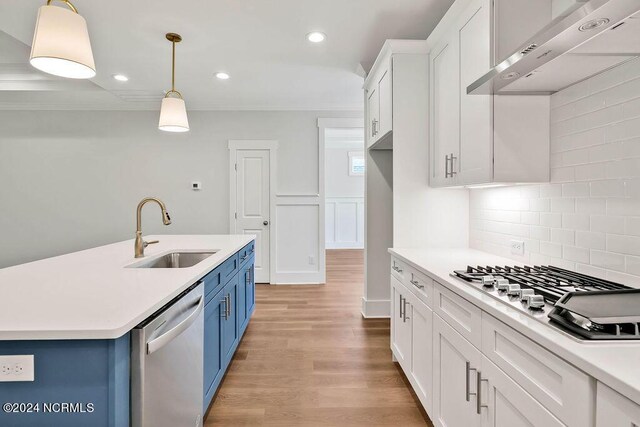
x: 173, y: 66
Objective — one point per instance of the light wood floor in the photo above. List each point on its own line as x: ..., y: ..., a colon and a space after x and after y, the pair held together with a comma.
x: 308, y: 358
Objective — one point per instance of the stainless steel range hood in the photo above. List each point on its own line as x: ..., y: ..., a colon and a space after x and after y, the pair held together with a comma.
x: 594, y: 36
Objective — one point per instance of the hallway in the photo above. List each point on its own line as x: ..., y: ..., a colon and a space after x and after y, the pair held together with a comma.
x: 309, y: 359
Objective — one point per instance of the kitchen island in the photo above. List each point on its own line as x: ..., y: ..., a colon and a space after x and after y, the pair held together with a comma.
x: 74, y: 314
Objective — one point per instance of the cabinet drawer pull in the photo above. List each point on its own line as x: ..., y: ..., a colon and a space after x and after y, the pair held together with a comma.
x: 468, y: 382
x: 416, y: 283
x: 398, y: 269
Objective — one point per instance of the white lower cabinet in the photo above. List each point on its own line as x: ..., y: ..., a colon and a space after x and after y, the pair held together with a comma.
x: 422, y: 352
x: 455, y: 361
x: 471, y: 370
x: 411, y: 339
x: 503, y: 403
x: 400, y: 325
x: 615, y: 410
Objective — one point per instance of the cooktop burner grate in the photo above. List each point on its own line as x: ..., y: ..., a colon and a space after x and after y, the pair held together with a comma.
x: 585, y: 306
x: 550, y: 282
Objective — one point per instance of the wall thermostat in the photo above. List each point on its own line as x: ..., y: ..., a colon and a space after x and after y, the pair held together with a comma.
x: 196, y: 185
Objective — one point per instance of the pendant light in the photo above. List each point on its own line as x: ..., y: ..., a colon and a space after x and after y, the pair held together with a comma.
x: 173, y: 112
x: 61, y: 44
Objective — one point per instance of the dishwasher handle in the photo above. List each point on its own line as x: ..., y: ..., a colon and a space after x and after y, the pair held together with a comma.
x: 157, y: 343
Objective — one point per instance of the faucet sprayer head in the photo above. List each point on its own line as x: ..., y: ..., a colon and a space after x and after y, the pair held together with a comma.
x: 166, y: 219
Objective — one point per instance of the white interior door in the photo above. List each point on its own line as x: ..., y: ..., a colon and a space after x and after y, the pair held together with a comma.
x: 252, y: 204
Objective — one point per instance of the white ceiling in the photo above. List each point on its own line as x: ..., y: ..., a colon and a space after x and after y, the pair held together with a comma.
x: 260, y: 43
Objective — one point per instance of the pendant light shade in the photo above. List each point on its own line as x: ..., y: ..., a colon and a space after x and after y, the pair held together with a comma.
x: 61, y: 44
x: 173, y: 115
x: 173, y: 111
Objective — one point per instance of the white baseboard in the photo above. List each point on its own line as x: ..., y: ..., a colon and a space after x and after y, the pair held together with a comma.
x: 376, y: 309
x: 298, y: 278
x: 344, y: 245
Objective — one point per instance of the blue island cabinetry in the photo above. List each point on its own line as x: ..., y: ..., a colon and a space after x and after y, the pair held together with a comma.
x: 87, y: 382
x: 229, y: 304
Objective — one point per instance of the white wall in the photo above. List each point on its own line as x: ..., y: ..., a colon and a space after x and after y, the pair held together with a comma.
x: 588, y: 217
x: 344, y: 203
x: 71, y: 180
x: 339, y: 182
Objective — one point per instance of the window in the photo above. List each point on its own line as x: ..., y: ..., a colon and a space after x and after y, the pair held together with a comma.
x: 356, y: 163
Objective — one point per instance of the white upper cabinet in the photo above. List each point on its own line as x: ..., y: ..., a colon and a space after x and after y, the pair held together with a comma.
x: 474, y: 164
x: 381, y: 112
x: 385, y: 107
x: 373, y: 113
x: 380, y: 104
x: 445, y: 138
x: 480, y: 139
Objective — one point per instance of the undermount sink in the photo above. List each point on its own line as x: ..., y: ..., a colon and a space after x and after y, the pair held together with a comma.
x: 175, y: 260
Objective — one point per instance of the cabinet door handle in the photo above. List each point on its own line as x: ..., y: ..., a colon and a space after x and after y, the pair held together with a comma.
x: 468, y: 382
x: 224, y: 313
x: 401, y: 307
x: 479, y: 404
x: 228, y: 305
x: 453, y: 171
x: 405, y: 318
x: 446, y: 166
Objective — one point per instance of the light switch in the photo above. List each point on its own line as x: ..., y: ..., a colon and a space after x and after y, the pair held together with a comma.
x: 16, y: 368
x: 196, y: 185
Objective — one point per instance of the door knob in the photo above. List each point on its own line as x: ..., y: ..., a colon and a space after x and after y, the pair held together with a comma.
x: 265, y: 223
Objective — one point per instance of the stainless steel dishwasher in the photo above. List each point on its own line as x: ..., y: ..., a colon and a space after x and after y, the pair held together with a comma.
x: 166, y: 364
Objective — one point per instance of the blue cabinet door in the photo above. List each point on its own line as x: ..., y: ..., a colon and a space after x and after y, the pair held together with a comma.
x: 251, y: 290
x: 247, y: 284
x: 213, y: 359
x: 230, y: 322
x: 242, y: 306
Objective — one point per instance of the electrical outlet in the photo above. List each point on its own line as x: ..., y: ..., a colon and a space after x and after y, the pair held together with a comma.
x: 517, y: 247
x: 312, y: 260
x: 16, y: 368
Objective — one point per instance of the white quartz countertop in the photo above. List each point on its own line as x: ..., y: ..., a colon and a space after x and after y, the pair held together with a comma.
x: 92, y: 295
x: 616, y: 364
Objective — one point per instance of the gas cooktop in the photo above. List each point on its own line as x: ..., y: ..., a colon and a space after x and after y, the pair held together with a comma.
x: 584, y: 306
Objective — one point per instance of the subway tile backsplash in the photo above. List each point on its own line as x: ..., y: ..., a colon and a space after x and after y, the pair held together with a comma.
x: 588, y: 217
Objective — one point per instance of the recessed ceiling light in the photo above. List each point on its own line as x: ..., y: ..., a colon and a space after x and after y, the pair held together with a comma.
x: 222, y: 76
x: 121, y: 77
x: 316, y: 37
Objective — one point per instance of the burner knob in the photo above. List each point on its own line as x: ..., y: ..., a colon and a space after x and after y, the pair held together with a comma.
x: 524, y: 293
x: 488, y: 281
x: 535, y: 302
x: 513, y: 289
x: 503, y: 284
